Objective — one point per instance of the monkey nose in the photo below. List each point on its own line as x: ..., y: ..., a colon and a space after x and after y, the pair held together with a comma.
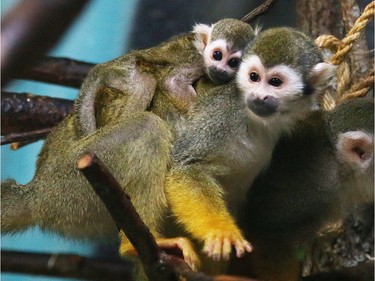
x: 263, y: 107
x: 217, y: 75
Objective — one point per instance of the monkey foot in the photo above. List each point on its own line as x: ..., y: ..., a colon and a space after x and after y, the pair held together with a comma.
x: 178, y: 246
x: 183, y: 247
x: 219, y: 246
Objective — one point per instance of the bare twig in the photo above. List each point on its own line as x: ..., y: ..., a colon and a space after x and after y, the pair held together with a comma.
x: 257, y: 11
x: 27, y: 136
x: 60, y: 71
x: 31, y: 29
x: 65, y: 265
x: 25, y: 112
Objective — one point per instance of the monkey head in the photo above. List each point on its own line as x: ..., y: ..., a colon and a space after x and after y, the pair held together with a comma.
x: 281, y: 74
x: 221, y: 46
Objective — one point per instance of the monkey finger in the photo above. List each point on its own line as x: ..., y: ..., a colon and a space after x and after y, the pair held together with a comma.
x: 227, y: 249
x: 208, y: 246
x: 216, y: 250
x: 241, y: 247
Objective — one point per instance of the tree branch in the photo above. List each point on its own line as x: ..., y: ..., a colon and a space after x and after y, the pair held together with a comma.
x: 65, y: 265
x: 257, y: 11
x: 27, y: 136
x: 60, y: 71
x: 31, y: 29
x: 25, y: 112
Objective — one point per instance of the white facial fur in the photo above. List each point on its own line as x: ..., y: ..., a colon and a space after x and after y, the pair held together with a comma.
x: 202, y: 36
x: 226, y: 62
x: 227, y: 54
x: 289, y: 94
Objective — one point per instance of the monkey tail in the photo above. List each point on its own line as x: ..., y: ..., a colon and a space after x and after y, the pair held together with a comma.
x: 15, y: 211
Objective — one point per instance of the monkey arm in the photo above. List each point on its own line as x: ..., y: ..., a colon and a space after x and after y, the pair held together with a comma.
x: 197, y: 203
x: 178, y: 85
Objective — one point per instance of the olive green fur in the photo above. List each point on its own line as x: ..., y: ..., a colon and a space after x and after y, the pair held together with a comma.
x: 224, y: 30
x: 280, y: 46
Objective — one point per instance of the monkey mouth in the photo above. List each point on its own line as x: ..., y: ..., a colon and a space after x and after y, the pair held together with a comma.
x: 264, y: 107
x: 218, y: 76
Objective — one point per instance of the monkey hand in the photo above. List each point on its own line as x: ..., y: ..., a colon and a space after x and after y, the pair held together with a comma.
x: 179, y: 246
x: 218, y: 244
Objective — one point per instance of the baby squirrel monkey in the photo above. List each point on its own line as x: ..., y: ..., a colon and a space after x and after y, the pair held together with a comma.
x: 228, y: 136
x: 160, y: 79
x: 315, y: 177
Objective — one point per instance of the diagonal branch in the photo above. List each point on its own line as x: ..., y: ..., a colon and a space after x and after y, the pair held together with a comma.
x: 118, y: 204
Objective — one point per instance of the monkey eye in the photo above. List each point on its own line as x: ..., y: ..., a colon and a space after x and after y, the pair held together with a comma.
x: 217, y: 55
x: 234, y: 62
x: 254, y: 77
x: 275, y: 81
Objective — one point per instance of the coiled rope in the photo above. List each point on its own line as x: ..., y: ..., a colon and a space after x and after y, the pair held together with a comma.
x: 340, y: 50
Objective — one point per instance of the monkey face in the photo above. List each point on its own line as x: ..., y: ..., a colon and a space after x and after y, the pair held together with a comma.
x: 221, y: 62
x: 271, y: 91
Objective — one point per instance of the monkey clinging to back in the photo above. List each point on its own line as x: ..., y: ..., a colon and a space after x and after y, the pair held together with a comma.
x: 160, y: 79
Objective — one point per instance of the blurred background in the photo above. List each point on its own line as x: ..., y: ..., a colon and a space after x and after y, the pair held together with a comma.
x: 103, y: 31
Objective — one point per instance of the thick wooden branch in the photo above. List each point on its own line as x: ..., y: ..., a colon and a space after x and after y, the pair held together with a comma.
x: 60, y: 71
x: 25, y: 112
x: 31, y: 29
x: 65, y: 265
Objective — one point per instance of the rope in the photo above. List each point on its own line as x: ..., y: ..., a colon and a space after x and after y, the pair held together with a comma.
x: 341, y: 49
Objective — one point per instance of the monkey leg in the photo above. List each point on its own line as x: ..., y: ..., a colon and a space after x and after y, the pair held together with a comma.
x: 136, y: 151
x: 196, y: 202
x: 179, y: 86
x: 178, y: 246
x: 111, y: 91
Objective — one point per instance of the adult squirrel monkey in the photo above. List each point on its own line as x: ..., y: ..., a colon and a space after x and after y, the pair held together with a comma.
x: 160, y: 79
x: 315, y: 177
x: 219, y: 149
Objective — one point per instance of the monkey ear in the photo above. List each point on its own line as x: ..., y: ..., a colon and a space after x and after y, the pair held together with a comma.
x: 355, y: 148
x: 321, y: 74
x: 202, y: 36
